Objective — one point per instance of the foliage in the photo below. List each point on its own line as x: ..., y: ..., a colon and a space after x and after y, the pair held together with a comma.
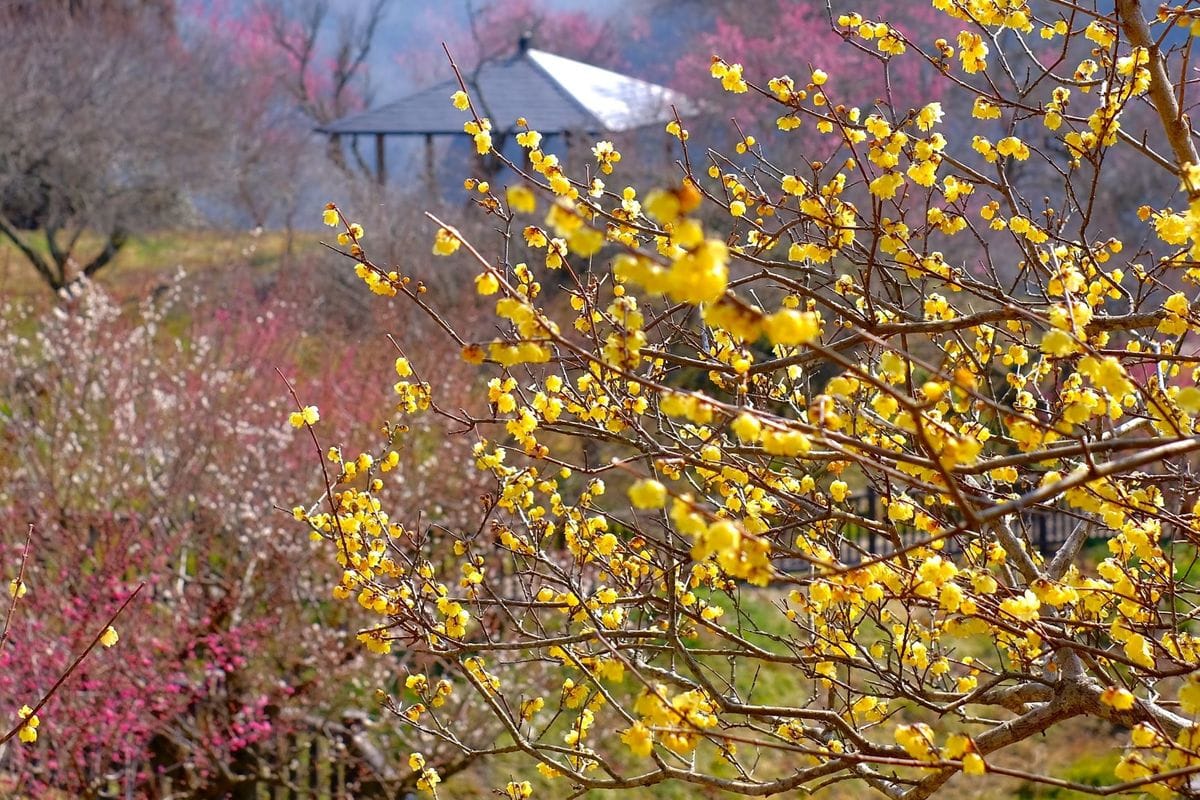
x: 686, y: 419
x: 309, y: 61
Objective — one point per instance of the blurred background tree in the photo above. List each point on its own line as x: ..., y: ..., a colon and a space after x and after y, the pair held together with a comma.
x: 107, y: 126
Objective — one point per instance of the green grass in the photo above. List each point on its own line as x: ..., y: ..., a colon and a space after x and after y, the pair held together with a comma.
x: 1094, y: 769
x: 1080, y: 751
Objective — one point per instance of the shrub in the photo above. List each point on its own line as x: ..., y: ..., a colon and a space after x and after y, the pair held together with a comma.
x: 149, y: 445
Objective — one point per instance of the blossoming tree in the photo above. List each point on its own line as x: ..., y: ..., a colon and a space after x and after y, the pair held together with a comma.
x: 688, y: 386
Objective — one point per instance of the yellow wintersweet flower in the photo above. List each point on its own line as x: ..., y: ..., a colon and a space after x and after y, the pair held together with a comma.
x: 518, y: 791
x: 794, y: 185
x: 1059, y: 343
x: 929, y: 116
x: 28, y: 732
x: 309, y: 415
x: 648, y: 493
x: 1189, y: 695
x: 730, y: 76
x: 639, y: 739
x: 790, y: 327
x: 972, y: 52
x: 923, y: 173
x: 985, y: 109
x: 901, y: 509
x: 1024, y: 607
x: 606, y: 155
x: 973, y: 764
x: 917, y: 741
x: 785, y: 442
x: 962, y: 748
x: 1118, y: 697
x: 701, y: 275
x: 429, y: 780
x: 1137, y: 649
x: 782, y: 87
x: 529, y: 708
x: 1143, y: 735
x: 886, y: 185
x: 746, y: 427
x: 486, y: 283
x: 460, y: 100
x: 585, y: 241
x: 521, y: 199
x: 529, y: 139
x: 1012, y: 146
x: 355, y: 233
x: 445, y: 243
x: 109, y: 637
x: 1100, y: 33
x: 1177, y: 304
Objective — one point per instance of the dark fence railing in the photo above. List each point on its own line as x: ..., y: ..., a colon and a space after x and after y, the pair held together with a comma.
x: 1044, y: 531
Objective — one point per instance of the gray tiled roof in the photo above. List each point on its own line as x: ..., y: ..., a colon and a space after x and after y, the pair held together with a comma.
x: 553, y: 93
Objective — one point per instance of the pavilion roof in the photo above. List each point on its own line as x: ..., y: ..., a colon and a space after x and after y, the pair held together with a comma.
x: 554, y: 94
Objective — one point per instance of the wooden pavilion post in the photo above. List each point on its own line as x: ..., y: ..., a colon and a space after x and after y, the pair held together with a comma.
x: 380, y: 161
x: 430, y: 167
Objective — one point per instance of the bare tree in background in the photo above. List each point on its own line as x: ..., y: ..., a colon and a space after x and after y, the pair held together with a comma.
x: 322, y: 61
x: 496, y: 27
x: 107, y: 126
x: 269, y: 152
x: 111, y: 13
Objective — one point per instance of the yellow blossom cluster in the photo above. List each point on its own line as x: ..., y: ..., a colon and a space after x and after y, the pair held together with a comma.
x: 843, y: 421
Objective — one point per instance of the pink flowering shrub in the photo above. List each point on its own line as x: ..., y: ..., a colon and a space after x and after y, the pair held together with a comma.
x: 172, y: 677
x: 150, y: 445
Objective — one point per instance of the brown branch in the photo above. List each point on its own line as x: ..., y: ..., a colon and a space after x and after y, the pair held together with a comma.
x: 1162, y: 92
x: 17, y: 586
x: 74, y: 664
x: 31, y: 255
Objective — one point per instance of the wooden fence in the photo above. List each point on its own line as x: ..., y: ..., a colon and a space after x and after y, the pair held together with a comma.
x: 327, y: 763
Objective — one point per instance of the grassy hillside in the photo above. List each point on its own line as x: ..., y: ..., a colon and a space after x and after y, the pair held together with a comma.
x: 146, y: 257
